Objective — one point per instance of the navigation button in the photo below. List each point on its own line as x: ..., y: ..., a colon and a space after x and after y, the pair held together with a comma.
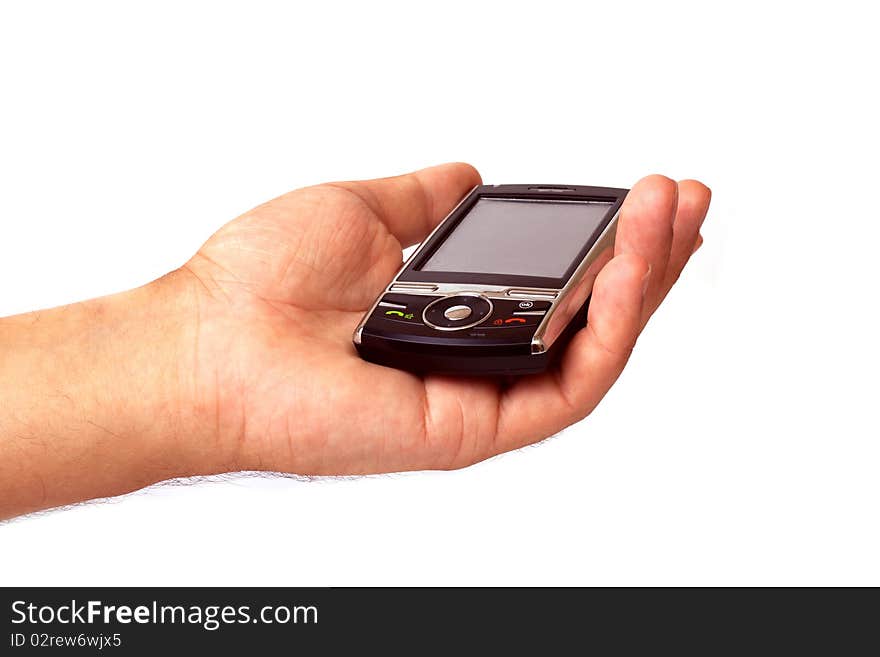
x: 457, y: 312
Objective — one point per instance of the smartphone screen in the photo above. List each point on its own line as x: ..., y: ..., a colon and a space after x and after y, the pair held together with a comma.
x: 526, y: 237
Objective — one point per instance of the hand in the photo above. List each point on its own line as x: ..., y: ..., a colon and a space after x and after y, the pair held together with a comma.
x: 283, y: 287
x: 242, y: 359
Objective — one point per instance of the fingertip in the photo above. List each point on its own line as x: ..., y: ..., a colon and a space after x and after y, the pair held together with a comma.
x: 459, y: 174
x: 699, y: 192
x: 467, y: 171
x: 692, y: 210
x: 656, y: 179
x: 657, y: 188
x: 697, y: 186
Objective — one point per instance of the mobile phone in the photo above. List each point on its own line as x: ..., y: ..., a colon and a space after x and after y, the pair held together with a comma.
x: 499, y: 287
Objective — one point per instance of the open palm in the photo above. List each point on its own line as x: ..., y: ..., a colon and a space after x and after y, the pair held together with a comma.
x: 282, y: 287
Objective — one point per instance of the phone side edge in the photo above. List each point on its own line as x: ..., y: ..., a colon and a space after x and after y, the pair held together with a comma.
x: 605, y: 240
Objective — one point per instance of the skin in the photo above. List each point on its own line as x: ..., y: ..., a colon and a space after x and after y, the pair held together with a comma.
x: 242, y: 358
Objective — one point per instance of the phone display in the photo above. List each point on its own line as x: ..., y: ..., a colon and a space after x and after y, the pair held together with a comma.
x: 527, y: 237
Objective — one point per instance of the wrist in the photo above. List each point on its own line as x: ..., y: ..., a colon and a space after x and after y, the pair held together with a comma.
x: 166, y: 336
x: 98, y: 398
x: 147, y: 376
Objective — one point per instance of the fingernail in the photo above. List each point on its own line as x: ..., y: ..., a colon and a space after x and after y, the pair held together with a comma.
x: 645, y: 280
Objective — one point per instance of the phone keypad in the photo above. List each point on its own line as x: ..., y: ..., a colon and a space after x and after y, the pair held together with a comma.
x: 436, y: 314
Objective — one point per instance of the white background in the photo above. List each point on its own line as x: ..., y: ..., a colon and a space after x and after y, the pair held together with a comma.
x: 741, y: 444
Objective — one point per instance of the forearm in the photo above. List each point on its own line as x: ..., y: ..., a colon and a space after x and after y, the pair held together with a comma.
x: 92, y: 398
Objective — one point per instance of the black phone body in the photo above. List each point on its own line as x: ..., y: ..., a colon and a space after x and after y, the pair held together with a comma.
x: 499, y: 287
